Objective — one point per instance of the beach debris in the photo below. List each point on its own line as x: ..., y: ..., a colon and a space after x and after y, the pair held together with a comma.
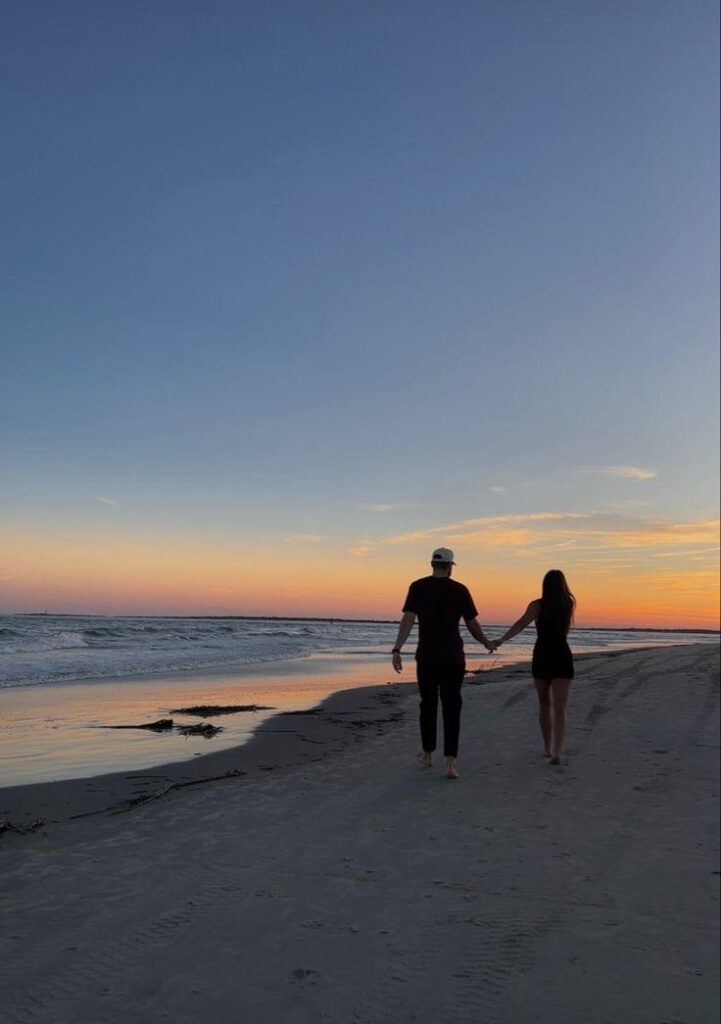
x: 304, y: 974
x: 474, y: 678
x: 475, y: 675
x: 136, y: 801
x: 204, y: 729
x: 162, y: 725
x: 8, y: 825
x: 209, y: 710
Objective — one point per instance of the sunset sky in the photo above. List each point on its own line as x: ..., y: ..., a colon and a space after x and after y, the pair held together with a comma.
x: 294, y: 292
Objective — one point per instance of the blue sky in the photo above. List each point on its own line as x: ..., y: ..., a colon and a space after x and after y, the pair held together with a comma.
x: 270, y: 268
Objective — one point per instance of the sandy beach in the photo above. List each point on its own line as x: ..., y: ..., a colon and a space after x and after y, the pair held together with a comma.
x: 327, y: 878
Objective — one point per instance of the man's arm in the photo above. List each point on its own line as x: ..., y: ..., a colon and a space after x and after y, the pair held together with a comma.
x: 406, y: 625
x: 476, y: 630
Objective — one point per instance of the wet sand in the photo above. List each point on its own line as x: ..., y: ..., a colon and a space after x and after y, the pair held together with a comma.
x: 60, y: 731
x: 336, y: 881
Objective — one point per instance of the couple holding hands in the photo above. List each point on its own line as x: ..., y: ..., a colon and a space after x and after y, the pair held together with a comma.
x: 439, y: 603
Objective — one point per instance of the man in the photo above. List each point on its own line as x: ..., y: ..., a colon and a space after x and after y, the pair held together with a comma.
x: 439, y: 603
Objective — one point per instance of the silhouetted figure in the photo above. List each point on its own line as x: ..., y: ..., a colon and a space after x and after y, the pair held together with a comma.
x: 552, y: 659
x: 439, y: 603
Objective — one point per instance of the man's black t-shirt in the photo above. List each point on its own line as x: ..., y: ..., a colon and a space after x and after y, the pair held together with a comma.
x: 440, y: 603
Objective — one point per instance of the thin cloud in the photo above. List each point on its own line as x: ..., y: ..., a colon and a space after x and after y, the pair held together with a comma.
x: 494, y: 531
x: 378, y: 506
x: 496, y: 489
x: 694, y: 553
x: 596, y: 533
x: 362, y: 549
x: 470, y: 527
x: 628, y: 504
x: 303, y: 538
x: 623, y: 472
x: 107, y: 501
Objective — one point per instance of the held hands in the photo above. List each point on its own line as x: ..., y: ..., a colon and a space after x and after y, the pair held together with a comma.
x: 493, y: 645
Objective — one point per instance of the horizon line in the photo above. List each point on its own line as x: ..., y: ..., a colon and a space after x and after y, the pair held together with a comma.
x: 333, y: 618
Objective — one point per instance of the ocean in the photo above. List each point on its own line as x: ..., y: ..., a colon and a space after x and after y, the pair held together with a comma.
x: 55, y: 649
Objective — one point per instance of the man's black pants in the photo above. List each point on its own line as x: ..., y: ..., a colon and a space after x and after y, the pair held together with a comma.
x: 444, y: 680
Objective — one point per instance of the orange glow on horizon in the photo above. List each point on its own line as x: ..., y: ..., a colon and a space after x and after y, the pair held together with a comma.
x: 181, y: 576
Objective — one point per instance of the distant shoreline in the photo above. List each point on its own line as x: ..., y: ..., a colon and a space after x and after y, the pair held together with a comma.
x: 321, y: 618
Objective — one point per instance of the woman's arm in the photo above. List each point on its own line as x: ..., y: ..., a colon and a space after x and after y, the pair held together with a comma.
x: 526, y: 619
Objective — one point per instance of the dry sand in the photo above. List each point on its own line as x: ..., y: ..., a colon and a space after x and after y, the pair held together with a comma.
x: 338, y: 882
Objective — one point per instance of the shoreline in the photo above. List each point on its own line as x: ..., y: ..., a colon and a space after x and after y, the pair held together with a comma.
x: 50, y: 732
x: 284, y: 741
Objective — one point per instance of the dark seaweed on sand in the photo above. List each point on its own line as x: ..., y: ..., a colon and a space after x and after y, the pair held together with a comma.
x: 162, y: 725
x: 168, y: 725
x: 8, y: 825
x: 200, y: 729
x: 208, y: 710
x: 312, y: 711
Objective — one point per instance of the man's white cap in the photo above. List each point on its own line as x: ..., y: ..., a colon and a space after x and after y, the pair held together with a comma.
x: 443, y: 555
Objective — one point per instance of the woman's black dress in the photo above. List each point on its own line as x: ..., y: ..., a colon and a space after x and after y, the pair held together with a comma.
x: 552, y: 658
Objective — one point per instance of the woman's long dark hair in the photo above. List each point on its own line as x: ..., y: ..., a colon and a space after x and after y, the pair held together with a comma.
x: 558, y: 604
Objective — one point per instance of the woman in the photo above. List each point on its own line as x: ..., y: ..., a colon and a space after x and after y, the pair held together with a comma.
x: 552, y: 659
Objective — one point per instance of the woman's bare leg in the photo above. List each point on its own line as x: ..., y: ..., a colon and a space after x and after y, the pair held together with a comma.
x: 559, y: 691
x: 543, y: 689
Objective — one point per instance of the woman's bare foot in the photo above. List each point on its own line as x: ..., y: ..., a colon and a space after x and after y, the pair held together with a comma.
x: 451, y: 768
x: 556, y: 759
x: 425, y: 759
x: 546, y: 753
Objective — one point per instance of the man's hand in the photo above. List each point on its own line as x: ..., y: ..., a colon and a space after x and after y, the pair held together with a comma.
x: 397, y: 661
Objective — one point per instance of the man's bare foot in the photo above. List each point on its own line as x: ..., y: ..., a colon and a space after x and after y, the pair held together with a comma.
x: 556, y: 759
x: 425, y: 759
x: 451, y: 768
x: 546, y: 753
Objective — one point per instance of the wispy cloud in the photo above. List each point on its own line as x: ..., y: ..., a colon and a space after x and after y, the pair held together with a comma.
x: 628, y: 504
x: 624, y: 472
x: 303, y: 538
x: 684, y: 553
x: 598, y: 533
x: 469, y: 528
x: 378, y: 506
x: 487, y: 531
x: 107, y: 501
x: 497, y: 489
x: 362, y: 548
